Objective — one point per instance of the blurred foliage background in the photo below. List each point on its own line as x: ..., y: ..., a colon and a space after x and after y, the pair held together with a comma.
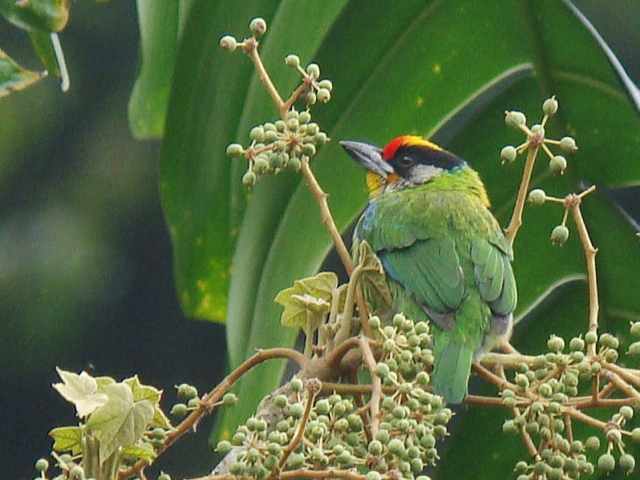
x: 85, y: 258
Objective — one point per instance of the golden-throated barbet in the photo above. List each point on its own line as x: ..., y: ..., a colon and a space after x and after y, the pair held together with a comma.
x: 444, y: 254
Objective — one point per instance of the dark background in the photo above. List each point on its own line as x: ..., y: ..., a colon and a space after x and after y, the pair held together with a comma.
x: 85, y: 259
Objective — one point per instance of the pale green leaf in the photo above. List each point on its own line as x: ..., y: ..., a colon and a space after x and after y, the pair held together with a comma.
x: 307, y: 301
x: 146, y: 392
x: 81, y: 390
x: 103, y: 382
x: 140, y: 451
x: 121, y: 422
x: 67, y: 439
x: 13, y: 77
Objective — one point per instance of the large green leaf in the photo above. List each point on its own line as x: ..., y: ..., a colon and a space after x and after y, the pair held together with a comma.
x: 435, y: 67
x: 158, y: 44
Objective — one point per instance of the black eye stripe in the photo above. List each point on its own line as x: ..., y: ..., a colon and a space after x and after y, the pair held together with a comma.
x: 406, y: 161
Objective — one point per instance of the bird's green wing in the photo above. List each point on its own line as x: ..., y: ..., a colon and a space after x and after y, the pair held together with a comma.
x: 493, y: 274
x: 430, y: 271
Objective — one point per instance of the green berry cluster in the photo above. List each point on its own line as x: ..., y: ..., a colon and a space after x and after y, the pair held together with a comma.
x: 278, y: 146
x: 337, y: 434
x: 542, y: 396
x: 536, y: 138
x: 285, y: 143
x: 191, y: 400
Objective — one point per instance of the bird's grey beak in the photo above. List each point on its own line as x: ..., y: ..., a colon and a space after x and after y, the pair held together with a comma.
x: 369, y: 156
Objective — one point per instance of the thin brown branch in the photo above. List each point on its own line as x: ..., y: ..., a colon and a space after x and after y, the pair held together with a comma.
x: 209, y: 401
x: 251, y: 49
x: 620, y: 383
x: 325, y: 214
x: 485, y: 401
x: 491, y: 377
x: 295, y: 96
x: 584, y: 418
x: 568, y: 427
x: 354, y: 388
x: 507, y: 359
x: 299, y: 435
x: 516, y: 217
x: 590, y: 259
x: 376, y: 393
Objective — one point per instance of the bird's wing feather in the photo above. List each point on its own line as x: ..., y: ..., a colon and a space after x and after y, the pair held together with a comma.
x: 430, y: 271
x: 493, y: 276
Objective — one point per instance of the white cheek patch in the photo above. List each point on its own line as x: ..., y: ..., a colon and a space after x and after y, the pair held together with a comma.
x: 423, y: 173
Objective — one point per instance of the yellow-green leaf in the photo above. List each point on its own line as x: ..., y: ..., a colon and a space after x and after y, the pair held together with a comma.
x: 13, y: 77
x: 67, y: 439
x: 141, y: 451
x: 307, y: 301
x: 372, y: 278
x: 81, y: 390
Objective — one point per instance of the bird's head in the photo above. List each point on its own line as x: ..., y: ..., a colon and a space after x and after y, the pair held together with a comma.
x: 404, y: 162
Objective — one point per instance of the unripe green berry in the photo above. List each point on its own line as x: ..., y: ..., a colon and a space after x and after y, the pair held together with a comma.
x: 559, y: 235
x: 295, y: 460
x: 228, y: 43
x: 296, y: 410
x: 555, y: 343
x: 373, y: 475
x: 515, y: 119
x: 179, y: 410
x: 634, y: 348
x: 627, y: 412
x: 224, y: 447
x: 76, y: 473
x: 261, y: 164
x: 558, y: 164
x: 545, y: 390
x: 576, y: 344
x: 635, y: 435
x: 193, y: 403
x: 537, y: 196
x: 324, y: 95
x: 257, y: 134
x: 375, y: 447
x: 292, y: 60
x: 235, y: 150
x: 164, y: 476
x: 309, y: 149
x: 396, y: 446
x: 509, y: 426
x: 297, y: 385
x: 606, y: 463
x: 550, y: 106
x: 294, y: 164
x: 249, y: 179
x: 42, y: 465
x: 590, y: 337
x: 229, y: 399
x: 627, y: 462
x: 382, y: 370
x: 508, y: 154
x: 258, y: 26
x: 568, y: 145
x: 608, y: 340
x: 326, y: 84
x: 374, y: 322
x: 635, y: 329
x: 311, y: 98
x: 538, y: 130
x: 313, y: 70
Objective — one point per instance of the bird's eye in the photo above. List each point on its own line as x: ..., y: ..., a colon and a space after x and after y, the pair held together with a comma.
x: 406, y: 162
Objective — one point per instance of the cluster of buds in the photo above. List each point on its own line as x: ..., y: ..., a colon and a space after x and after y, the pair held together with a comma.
x: 280, y: 145
x: 560, y: 233
x: 294, y: 138
x: 543, y: 398
x: 191, y: 400
x: 320, y: 432
x: 536, y: 138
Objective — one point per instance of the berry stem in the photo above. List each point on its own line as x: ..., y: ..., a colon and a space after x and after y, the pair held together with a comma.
x: 516, y: 217
x: 376, y: 392
x: 208, y: 403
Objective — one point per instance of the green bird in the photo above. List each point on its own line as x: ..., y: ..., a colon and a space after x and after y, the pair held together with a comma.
x: 444, y: 254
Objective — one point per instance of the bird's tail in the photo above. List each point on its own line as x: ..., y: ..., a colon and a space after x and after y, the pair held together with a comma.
x: 452, y: 369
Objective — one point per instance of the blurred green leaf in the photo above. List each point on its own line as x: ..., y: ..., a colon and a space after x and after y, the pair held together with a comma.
x: 159, y: 23
x: 13, y: 77
x: 43, y: 15
x: 412, y: 67
x: 43, y: 47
